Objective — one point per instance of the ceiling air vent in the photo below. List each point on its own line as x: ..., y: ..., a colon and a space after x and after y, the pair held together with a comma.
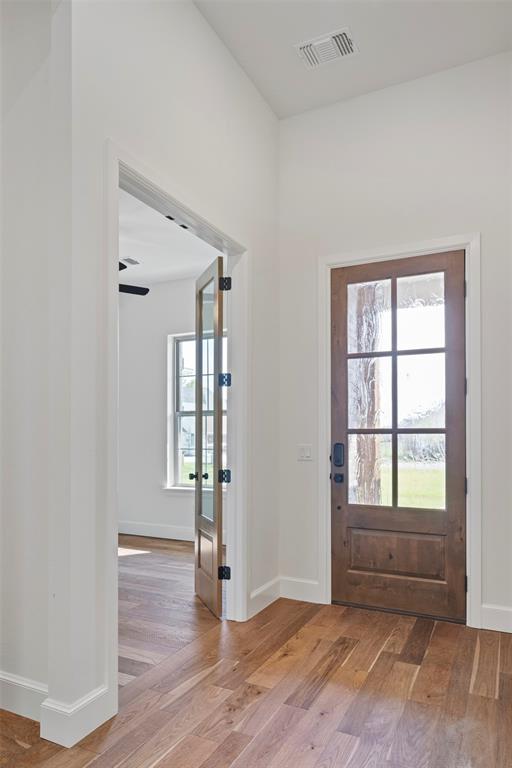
x: 333, y: 45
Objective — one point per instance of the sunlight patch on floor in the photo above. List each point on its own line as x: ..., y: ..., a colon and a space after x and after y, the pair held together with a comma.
x: 124, y: 552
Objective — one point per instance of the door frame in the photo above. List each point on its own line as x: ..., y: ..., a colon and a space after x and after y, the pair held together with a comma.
x: 471, y: 244
x: 119, y: 165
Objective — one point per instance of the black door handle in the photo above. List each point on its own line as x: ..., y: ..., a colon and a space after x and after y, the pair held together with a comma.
x: 338, y: 454
x: 193, y: 476
x: 205, y: 476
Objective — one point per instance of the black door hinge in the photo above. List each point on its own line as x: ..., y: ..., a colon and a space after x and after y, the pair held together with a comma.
x: 465, y: 583
x: 465, y: 288
x: 224, y: 283
x: 224, y: 475
x: 465, y: 386
x: 224, y: 572
x: 224, y: 379
x: 466, y: 486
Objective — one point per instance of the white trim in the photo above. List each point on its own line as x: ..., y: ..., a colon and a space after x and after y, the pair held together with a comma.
x: 67, y: 723
x: 21, y: 695
x: 239, y: 353
x: 471, y: 244
x: 157, y: 530
x: 497, y: 617
x: 300, y: 589
x: 264, y: 595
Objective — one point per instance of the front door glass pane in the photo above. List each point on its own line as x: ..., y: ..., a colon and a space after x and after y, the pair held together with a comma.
x: 369, y: 393
x: 422, y: 471
x: 420, y: 311
x: 208, y: 381
x: 369, y: 316
x: 369, y: 461
x: 421, y: 390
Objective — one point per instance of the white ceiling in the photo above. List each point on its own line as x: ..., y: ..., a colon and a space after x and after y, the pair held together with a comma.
x: 165, y: 250
x: 397, y: 41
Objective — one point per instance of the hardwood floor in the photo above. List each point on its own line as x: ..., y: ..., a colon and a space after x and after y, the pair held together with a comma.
x: 158, y: 611
x: 298, y: 686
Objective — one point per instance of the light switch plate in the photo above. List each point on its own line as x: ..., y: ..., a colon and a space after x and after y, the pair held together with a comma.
x: 304, y: 452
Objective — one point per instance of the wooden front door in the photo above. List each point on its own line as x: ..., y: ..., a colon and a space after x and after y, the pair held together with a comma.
x: 398, y: 435
x: 208, y: 437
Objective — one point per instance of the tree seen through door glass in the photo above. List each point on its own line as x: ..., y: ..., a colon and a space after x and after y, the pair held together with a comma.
x: 369, y: 316
x: 369, y: 393
x: 369, y: 461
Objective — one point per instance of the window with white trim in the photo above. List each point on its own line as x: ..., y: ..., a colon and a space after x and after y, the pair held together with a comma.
x: 181, y: 458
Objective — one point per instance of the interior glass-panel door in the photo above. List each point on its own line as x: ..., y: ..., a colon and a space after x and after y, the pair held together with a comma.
x: 209, y: 425
x: 398, y: 404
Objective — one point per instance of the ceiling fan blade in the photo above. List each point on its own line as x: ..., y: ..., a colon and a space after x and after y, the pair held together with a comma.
x: 136, y: 289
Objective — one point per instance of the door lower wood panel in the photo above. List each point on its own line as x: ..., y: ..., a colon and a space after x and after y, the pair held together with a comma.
x: 398, y: 433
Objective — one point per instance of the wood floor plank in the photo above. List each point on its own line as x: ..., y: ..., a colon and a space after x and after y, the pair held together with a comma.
x: 338, y: 751
x: 486, y: 665
x: 307, y: 691
x: 355, y: 718
x: 265, y: 745
x: 306, y: 741
x: 417, y: 642
x: 506, y: 653
x: 479, y: 746
x: 219, y: 725
x: 448, y: 733
x: 190, y: 752
x: 70, y: 758
x: 36, y: 755
x: 504, y: 723
x: 132, y: 667
x: 285, y: 658
x: 129, y: 717
x: 268, y: 647
x: 143, y: 655
x: 226, y: 753
x: 413, y: 741
x: 328, y: 616
x: 431, y: 685
x: 340, y: 691
x: 161, y: 731
x: 387, y: 710
x: 399, y: 634
x: 369, y: 647
x: 260, y: 715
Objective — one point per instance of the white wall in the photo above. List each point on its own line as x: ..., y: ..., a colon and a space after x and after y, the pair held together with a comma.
x: 154, y: 78
x: 146, y: 506
x: 32, y: 165
x: 418, y: 161
x: 164, y: 89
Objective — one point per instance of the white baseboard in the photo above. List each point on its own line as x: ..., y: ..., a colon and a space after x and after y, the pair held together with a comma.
x: 293, y: 588
x: 300, y: 589
x: 21, y: 695
x: 66, y: 724
x: 157, y: 530
x: 263, y: 596
x: 497, y: 617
